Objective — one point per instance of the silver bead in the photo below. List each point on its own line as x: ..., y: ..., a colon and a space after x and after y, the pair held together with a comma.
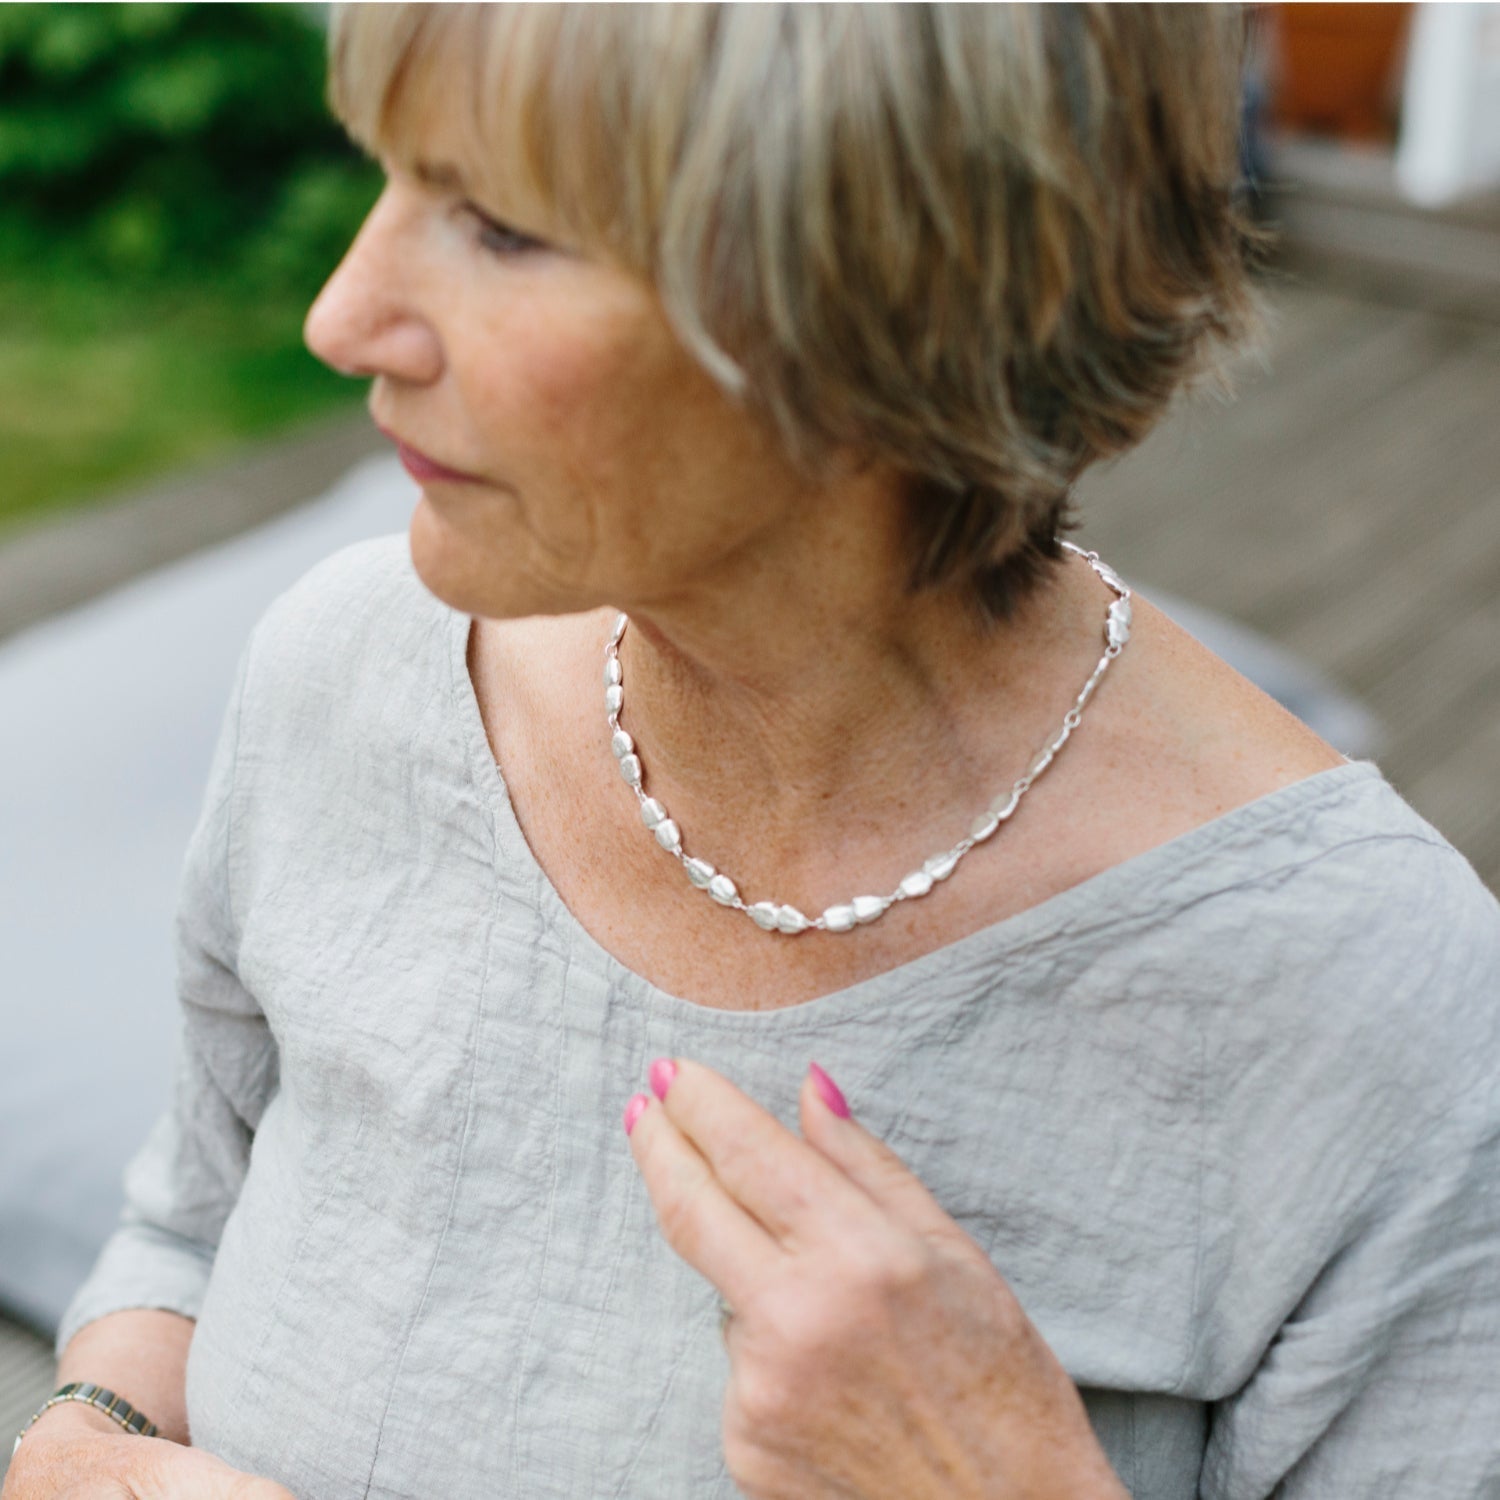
x: 1039, y: 763
x: 613, y: 672
x: 789, y: 919
x: 763, y: 914
x: 621, y: 743
x: 621, y: 621
x: 867, y: 908
x: 1117, y: 631
x: 839, y: 918
x: 940, y: 866
x: 652, y: 812
x: 983, y: 826
x: 669, y: 836
x: 630, y: 769
x: 1005, y: 804
x: 918, y: 883
x: 721, y: 888
x: 1109, y: 575
x: 614, y: 696
x: 699, y: 871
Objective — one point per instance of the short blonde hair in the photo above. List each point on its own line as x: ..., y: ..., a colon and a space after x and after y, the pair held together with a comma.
x: 984, y: 245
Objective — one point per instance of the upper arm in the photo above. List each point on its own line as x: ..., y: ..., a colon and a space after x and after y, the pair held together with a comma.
x: 1386, y: 1378
x: 1374, y: 1209
x: 184, y: 1181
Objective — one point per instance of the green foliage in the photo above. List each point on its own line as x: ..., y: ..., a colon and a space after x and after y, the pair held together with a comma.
x: 152, y: 141
x: 101, y: 392
x: 173, y: 192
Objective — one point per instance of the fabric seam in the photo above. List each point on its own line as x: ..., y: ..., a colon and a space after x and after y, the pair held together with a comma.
x: 458, y: 1166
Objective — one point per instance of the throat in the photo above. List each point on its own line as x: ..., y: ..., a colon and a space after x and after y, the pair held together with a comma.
x: 920, y: 725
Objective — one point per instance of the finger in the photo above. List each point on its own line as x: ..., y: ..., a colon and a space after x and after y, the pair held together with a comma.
x: 698, y: 1217
x: 770, y: 1171
x: 831, y: 1129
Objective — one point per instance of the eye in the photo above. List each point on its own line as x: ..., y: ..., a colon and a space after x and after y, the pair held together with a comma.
x: 500, y: 238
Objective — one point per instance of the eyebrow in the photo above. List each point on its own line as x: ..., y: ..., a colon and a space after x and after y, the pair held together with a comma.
x: 439, y: 174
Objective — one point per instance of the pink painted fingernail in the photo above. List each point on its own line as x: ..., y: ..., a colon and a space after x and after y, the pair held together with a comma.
x: 634, y: 1110
x: 663, y: 1071
x: 829, y: 1091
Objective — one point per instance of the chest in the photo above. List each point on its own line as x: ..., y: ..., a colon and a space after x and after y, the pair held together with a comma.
x: 637, y: 903
x: 582, y: 827
x: 442, y: 1221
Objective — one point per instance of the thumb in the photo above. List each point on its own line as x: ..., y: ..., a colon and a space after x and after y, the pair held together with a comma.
x: 830, y: 1128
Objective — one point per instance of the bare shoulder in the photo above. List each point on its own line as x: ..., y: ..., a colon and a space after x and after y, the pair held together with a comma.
x: 1175, y: 740
x: 1221, y: 739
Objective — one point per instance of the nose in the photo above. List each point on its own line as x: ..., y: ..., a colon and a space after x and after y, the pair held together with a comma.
x: 365, y: 321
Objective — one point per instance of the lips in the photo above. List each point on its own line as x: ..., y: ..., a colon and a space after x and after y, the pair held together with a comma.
x: 421, y: 467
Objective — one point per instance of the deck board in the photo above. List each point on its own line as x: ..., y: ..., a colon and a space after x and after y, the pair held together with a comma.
x: 26, y: 1375
x: 1218, y: 495
x: 1408, y: 596
x: 1281, y: 500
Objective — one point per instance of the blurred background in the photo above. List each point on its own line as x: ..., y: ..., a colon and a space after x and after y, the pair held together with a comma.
x: 173, y: 191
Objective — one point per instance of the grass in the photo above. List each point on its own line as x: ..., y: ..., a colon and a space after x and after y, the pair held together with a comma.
x: 104, y: 388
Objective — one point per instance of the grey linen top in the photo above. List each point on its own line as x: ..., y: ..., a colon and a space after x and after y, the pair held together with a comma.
x: 1225, y: 1116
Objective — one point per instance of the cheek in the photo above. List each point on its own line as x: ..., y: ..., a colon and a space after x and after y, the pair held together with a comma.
x: 545, y: 382
x: 627, y: 467
x: 578, y: 417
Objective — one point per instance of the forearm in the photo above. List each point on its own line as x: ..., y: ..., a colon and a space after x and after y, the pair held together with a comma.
x: 139, y: 1354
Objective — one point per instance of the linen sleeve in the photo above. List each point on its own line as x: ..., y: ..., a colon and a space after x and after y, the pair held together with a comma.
x: 1385, y: 1380
x: 183, y: 1182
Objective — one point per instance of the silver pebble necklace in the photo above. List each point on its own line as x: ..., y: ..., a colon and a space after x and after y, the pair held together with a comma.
x: 776, y: 916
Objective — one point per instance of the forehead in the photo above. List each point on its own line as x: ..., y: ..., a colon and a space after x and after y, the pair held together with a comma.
x: 462, y: 99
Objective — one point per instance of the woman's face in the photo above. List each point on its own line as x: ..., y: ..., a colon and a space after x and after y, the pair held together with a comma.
x: 611, y: 470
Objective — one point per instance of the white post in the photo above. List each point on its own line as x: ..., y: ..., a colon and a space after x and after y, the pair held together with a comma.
x: 1450, y: 104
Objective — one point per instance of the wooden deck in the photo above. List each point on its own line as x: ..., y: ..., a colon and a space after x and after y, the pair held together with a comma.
x: 25, y: 1382
x: 1347, y: 505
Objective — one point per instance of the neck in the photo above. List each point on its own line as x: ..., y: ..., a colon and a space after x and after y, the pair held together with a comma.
x: 810, y: 722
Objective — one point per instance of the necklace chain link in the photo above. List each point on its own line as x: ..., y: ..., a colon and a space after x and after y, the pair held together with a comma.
x: 774, y: 916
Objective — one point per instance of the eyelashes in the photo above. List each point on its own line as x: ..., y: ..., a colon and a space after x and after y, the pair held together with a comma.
x: 498, y: 238
x: 493, y: 236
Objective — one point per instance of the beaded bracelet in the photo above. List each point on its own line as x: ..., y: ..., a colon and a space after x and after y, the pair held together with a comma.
x: 100, y: 1399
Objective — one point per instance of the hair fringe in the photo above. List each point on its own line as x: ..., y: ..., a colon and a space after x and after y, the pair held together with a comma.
x: 983, y: 246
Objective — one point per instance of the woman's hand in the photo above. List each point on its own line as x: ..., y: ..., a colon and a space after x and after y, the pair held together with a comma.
x: 68, y: 1456
x: 874, y: 1350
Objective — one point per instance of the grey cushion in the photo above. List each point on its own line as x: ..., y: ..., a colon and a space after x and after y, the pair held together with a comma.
x: 108, y: 717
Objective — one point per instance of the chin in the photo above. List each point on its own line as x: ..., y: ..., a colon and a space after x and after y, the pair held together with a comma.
x: 467, y: 576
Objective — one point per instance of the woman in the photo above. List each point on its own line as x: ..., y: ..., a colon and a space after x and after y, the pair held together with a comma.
x: 734, y: 705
